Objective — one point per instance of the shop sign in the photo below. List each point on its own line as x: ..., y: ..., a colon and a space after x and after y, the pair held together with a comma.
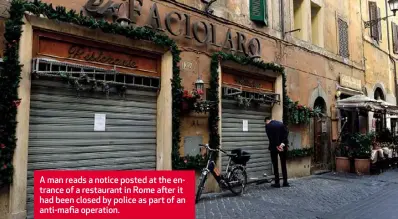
x: 132, y: 10
x: 248, y: 82
x: 350, y: 82
x: 90, y: 55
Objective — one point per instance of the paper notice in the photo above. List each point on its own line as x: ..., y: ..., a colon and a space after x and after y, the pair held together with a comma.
x: 99, y: 122
x: 245, y: 125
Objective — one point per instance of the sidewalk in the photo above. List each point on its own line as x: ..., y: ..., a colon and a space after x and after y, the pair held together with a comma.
x: 320, y: 196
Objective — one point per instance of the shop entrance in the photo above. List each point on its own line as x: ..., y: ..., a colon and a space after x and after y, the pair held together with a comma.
x: 246, y: 101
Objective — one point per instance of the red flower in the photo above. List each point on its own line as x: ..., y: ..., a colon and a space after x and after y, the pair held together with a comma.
x: 185, y: 161
x: 200, y: 92
x: 2, y: 146
x: 17, y: 103
x: 4, y: 167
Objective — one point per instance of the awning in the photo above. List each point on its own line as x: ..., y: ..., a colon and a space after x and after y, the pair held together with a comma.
x: 367, y: 103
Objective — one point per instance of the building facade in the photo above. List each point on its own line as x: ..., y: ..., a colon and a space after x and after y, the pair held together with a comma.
x: 323, y: 45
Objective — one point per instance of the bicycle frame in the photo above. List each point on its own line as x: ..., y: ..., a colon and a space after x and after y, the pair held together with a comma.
x: 211, y: 168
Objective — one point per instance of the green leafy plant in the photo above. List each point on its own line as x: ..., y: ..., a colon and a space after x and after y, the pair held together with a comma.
x: 300, y: 114
x: 361, y: 145
x: 298, y: 153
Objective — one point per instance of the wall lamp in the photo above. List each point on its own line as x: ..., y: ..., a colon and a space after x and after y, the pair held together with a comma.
x: 393, y: 4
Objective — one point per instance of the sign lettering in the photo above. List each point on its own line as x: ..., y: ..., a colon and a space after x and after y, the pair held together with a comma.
x: 80, y: 52
x: 350, y: 82
x: 247, y: 82
x: 201, y: 31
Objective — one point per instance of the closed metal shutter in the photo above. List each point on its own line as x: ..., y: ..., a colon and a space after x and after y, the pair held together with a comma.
x: 254, y: 141
x: 62, y: 131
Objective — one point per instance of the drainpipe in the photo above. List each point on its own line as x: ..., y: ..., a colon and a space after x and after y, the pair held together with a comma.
x: 389, y: 53
x: 282, y: 18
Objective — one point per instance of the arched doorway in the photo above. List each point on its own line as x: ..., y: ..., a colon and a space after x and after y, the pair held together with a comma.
x: 380, y: 118
x: 379, y: 94
x: 321, y: 152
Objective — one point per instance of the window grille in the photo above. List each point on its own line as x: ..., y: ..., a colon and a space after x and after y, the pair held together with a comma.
x: 343, y: 38
x: 54, y: 68
x: 261, y: 97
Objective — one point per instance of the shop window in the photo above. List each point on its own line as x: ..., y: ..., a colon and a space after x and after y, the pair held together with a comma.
x: 375, y: 29
x: 298, y: 18
x: 259, y: 11
x: 394, y: 28
x: 316, y: 29
x: 343, y: 38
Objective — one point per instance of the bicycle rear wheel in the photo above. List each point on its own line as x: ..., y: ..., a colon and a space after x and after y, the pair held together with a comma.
x: 201, y: 186
x: 237, y: 180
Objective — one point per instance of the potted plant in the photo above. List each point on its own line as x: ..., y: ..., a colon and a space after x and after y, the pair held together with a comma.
x: 362, y: 152
x: 343, y: 154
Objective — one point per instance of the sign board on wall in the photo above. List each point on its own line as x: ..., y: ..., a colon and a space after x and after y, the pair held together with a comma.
x: 350, y: 82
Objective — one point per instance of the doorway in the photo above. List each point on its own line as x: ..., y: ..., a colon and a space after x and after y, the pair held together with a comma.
x: 321, y: 154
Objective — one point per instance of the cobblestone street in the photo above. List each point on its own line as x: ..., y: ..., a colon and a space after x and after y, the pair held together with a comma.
x: 321, y: 196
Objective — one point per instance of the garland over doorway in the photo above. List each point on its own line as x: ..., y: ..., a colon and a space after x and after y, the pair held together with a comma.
x: 11, y: 75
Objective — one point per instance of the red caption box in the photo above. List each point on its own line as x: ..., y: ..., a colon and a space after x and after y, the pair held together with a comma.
x: 114, y: 194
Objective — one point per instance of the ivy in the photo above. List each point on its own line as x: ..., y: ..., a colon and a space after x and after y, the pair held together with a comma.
x: 11, y: 75
x: 296, y: 153
x: 213, y: 95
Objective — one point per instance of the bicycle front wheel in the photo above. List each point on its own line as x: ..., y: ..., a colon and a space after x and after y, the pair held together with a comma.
x: 237, y: 180
x: 201, y: 186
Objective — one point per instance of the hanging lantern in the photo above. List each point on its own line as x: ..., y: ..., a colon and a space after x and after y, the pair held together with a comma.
x: 199, y: 84
x: 123, y: 15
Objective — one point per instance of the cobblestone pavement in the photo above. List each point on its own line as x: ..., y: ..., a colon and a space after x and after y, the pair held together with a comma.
x: 324, y: 196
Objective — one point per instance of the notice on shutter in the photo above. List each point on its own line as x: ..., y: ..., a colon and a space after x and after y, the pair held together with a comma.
x: 372, y: 15
x: 258, y: 11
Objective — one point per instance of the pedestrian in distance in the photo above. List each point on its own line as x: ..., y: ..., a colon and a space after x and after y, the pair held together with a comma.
x: 277, y: 134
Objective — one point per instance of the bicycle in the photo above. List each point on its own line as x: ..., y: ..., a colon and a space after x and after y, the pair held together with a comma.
x: 229, y: 180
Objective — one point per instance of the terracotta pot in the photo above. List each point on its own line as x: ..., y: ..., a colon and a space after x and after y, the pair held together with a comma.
x: 342, y: 165
x: 362, y: 166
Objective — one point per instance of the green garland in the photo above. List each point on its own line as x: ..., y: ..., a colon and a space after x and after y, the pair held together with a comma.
x: 296, y: 153
x: 10, y: 76
x: 300, y: 114
x: 214, y: 87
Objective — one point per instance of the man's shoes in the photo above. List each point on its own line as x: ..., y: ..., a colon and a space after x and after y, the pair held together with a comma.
x: 276, y: 185
x: 286, y: 185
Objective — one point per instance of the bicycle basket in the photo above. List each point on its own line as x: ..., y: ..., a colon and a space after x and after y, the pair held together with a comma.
x: 242, y: 156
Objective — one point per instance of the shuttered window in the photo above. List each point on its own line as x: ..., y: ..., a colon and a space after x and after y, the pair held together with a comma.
x: 375, y: 28
x: 379, y: 25
x: 343, y: 38
x: 394, y: 28
x: 258, y: 11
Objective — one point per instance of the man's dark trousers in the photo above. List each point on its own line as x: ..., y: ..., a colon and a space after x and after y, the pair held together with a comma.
x: 274, y: 158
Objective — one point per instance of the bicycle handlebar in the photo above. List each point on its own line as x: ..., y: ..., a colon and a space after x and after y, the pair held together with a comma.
x: 211, y: 149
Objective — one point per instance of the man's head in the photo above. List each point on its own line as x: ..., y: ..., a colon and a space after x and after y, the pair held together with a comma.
x: 267, y: 120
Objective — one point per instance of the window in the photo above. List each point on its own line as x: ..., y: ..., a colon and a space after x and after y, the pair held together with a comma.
x: 343, y: 38
x: 375, y: 28
x: 394, y: 28
x: 258, y: 11
x: 298, y: 10
x: 315, y: 21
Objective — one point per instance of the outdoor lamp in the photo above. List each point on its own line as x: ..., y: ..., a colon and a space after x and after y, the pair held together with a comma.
x: 393, y: 5
x: 338, y: 93
x: 199, y: 84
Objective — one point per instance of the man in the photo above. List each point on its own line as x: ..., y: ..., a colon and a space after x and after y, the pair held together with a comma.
x: 278, y: 136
